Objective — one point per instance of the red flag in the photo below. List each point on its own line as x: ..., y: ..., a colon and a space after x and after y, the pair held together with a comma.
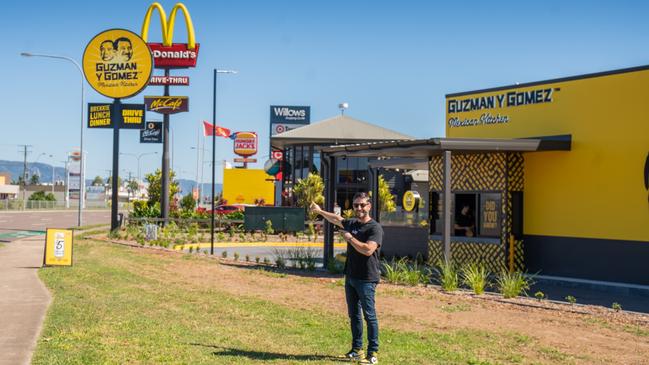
x: 220, y: 131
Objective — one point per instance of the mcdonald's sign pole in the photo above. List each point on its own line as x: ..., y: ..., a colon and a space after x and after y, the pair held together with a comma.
x: 168, y: 55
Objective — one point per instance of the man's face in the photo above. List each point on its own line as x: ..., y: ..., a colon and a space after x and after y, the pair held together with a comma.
x: 361, y: 207
x: 107, y: 51
x: 465, y: 210
x: 125, y: 50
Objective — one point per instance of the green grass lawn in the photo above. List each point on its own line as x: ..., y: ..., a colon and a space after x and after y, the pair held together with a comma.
x: 114, y: 307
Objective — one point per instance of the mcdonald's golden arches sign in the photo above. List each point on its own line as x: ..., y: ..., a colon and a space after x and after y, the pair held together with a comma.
x: 168, y: 54
x: 117, y: 63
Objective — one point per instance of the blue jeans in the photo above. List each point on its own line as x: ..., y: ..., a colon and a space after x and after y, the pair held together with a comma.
x: 360, y: 296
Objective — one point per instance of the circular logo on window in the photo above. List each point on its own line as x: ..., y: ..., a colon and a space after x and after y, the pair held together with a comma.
x: 410, y: 200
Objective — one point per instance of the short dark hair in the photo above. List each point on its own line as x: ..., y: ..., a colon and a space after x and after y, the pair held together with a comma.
x: 362, y: 195
x: 122, y: 39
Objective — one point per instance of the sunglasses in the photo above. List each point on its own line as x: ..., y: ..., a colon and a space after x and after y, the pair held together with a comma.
x: 361, y: 205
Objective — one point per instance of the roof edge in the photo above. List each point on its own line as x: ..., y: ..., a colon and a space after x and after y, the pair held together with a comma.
x: 551, y: 81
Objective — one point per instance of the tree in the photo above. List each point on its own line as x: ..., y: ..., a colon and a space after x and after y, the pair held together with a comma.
x: 188, y: 202
x: 34, y: 179
x: 41, y: 195
x: 155, y: 186
x: 98, y: 181
x: 132, y: 186
x: 386, y: 199
x: 109, y: 181
x: 309, y: 190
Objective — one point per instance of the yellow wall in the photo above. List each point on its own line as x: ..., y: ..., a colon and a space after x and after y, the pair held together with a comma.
x: 3, y: 180
x: 244, y: 186
x: 596, y: 190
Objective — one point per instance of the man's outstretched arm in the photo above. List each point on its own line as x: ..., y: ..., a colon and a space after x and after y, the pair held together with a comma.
x: 330, y: 217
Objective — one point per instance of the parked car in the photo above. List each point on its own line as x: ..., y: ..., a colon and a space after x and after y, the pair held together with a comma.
x: 227, y: 209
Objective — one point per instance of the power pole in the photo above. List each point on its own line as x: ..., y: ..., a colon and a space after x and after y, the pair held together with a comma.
x: 25, y: 151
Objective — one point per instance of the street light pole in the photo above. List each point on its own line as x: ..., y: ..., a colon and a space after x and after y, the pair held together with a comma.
x: 138, y: 157
x: 216, y: 72
x: 82, y: 185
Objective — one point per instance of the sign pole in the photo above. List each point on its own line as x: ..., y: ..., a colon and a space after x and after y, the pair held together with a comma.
x: 164, y: 192
x: 115, y: 116
x: 213, y: 160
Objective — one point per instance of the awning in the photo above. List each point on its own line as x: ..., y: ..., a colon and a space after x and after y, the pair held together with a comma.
x: 338, y: 130
x: 424, y: 148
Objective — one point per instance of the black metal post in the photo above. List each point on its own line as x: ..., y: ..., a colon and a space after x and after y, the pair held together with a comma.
x: 213, y: 163
x: 330, y: 198
x: 374, y: 188
x: 116, y: 117
x: 164, y: 191
x: 447, y: 188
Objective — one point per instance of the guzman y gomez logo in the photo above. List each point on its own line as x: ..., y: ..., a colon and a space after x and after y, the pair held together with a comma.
x: 505, y: 100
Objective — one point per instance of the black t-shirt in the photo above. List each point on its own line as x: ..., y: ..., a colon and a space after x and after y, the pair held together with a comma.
x: 359, y: 266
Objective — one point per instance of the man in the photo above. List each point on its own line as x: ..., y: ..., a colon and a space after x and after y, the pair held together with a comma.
x: 362, y: 273
x: 124, y: 49
x: 465, y: 222
x: 107, y: 51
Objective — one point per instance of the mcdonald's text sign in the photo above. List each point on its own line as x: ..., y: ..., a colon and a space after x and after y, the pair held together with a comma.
x: 178, y: 55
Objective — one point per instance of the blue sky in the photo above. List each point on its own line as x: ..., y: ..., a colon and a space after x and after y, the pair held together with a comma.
x: 392, y: 61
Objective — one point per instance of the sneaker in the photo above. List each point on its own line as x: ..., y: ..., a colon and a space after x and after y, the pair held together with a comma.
x: 371, y: 358
x: 354, y: 355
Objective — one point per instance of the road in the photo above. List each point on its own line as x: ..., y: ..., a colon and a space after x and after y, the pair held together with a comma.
x: 19, y: 224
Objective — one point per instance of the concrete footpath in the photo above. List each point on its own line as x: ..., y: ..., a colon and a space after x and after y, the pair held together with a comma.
x: 23, y: 299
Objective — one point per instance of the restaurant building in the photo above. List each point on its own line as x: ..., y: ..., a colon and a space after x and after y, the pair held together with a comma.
x: 555, y: 172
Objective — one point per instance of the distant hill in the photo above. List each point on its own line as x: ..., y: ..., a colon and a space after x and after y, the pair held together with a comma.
x: 15, y: 168
x: 186, y: 187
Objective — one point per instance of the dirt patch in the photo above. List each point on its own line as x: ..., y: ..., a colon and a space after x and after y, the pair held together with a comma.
x: 555, y: 332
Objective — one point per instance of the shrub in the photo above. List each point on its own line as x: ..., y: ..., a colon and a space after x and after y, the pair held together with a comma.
x: 266, y: 260
x: 402, y: 272
x: 280, y: 262
x: 191, y: 249
x: 447, y: 275
x: 257, y: 259
x: 142, y: 209
x: 616, y: 306
x: 512, y: 284
x: 335, y: 267
x: 188, y: 203
x: 236, y: 256
x: 247, y: 258
x: 279, y: 258
x: 475, y: 277
x: 570, y: 299
x: 269, y: 227
x: 224, y: 254
x: 539, y: 295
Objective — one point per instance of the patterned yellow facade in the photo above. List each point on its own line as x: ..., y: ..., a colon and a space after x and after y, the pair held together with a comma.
x: 481, y: 172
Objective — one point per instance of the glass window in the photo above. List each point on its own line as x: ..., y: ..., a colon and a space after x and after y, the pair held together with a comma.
x: 464, y: 223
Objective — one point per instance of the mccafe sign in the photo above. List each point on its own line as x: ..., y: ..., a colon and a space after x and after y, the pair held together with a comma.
x: 167, y: 104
